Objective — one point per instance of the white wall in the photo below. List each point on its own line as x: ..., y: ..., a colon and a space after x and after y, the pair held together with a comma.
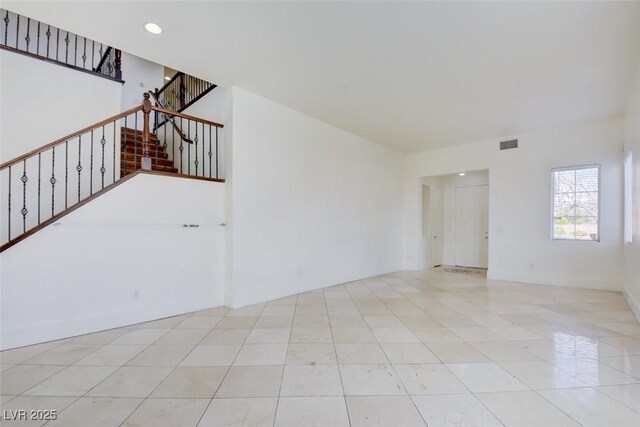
x: 632, y: 251
x: 312, y: 205
x: 520, y: 248
x: 42, y: 102
x: 82, y: 275
x: 139, y: 76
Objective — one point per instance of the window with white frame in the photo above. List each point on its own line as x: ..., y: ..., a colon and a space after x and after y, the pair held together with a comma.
x: 628, y: 198
x: 576, y: 203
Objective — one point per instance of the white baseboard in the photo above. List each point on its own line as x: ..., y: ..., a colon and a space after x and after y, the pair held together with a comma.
x: 44, y: 332
x: 634, y: 304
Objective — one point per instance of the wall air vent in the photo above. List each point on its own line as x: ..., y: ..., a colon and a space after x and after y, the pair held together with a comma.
x: 507, y: 145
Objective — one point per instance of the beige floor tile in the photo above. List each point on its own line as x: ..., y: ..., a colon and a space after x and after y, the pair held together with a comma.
x: 476, y: 334
x: 383, y: 322
x: 589, y: 407
x: 212, y: 355
x: 103, y: 337
x: 396, y: 335
x: 353, y: 335
x: 429, y: 379
x: 96, y: 412
x: 305, y: 380
x: 485, y: 377
x: 112, y: 355
x: 399, y: 353
x: 184, y: 336
x: 254, y: 412
x: 141, y: 336
x: 360, y: 354
x: 131, y: 381
x: 261, y: 354
x: 21, y: 378
x: 324, y: 411
x: 63, y: 354
x: 630, y: 365
x: 370, y: 380
x: 21, y: 355
x: 251, y: 381
x: 320, y: 334
x: 540, y: 375
x: 167, y: 413
x: 191, y: 383
x: 436, y: 335
x: 455, y: 410
x: 381, y: 411
x: 504, y: 351
x: 525, y: 408
x: 245, y: 322
x: 226, y: 336
x: 449, y: 352
x: 311, y: 354
x: 275, y: 322
x: 162, y: 355
x: 628, y: 395
x: 199, y: 322
x: 72, y: 381
x: 269, y: 336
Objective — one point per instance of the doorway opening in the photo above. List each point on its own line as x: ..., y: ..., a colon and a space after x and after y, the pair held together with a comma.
x: 455, y: 220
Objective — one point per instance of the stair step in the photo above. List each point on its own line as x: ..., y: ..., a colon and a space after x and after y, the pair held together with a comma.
x: 130, y: 166
x: 127, y: 155
x: 139, y: 150
x: 154, y: 160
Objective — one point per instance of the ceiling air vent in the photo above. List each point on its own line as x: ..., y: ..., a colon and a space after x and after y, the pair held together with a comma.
x: 507, y: 145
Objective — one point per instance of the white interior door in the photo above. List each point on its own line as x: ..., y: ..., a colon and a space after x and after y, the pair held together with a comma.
x: 437, y: 227
x: 472, y: 226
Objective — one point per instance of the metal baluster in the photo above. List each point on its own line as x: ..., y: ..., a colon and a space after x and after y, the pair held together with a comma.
x: 24, y: 210
x: 79, y: 167
x: 17, y: 29
x: 189, y: 147
x: 66, y: 172
x: 123, y: 157
x: 114, y: 151
x: 91, y: 167
x: 53, y: 180
x: 66, y: 48
x: 217, y: 152
x: 27, y: 38
x: 9, y: 215
x: 203, y: 161
x: 39, y: 179
x: 195, y: 140
x: 6, y: 27
x: 181, y: 148
x: 210, y: 153
x: 103, y: 141
x: 84, y: 53
x: 38, y: 40
x: 135, y: 144
x: 48, y: 34
x: 57, y: 43
x: 75, y: 52
x: 173, y: 146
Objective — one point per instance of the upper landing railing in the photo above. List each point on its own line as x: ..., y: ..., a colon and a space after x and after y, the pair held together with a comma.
x: 30, y: 37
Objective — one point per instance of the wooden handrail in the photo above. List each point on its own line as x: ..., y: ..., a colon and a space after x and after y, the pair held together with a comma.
x: 173, y: 122
x: 70, y: 136
x: 164, y: 86
x: 186, y: 116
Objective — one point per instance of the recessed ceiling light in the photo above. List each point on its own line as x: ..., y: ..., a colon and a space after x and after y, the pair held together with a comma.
x: 462, y: 173
x: 167, y: 78
x: 153, y: 28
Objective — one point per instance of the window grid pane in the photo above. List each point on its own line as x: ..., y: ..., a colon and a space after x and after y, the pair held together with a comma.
x: 576, y: 203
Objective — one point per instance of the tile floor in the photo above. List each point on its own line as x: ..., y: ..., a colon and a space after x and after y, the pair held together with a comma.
x: 407, y: 349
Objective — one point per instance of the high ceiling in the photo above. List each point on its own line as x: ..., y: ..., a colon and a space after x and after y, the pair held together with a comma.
x: 409, y: 75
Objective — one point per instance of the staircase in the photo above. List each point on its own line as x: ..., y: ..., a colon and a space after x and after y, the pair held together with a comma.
x: 132, y: 150
x: 41, y: 186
